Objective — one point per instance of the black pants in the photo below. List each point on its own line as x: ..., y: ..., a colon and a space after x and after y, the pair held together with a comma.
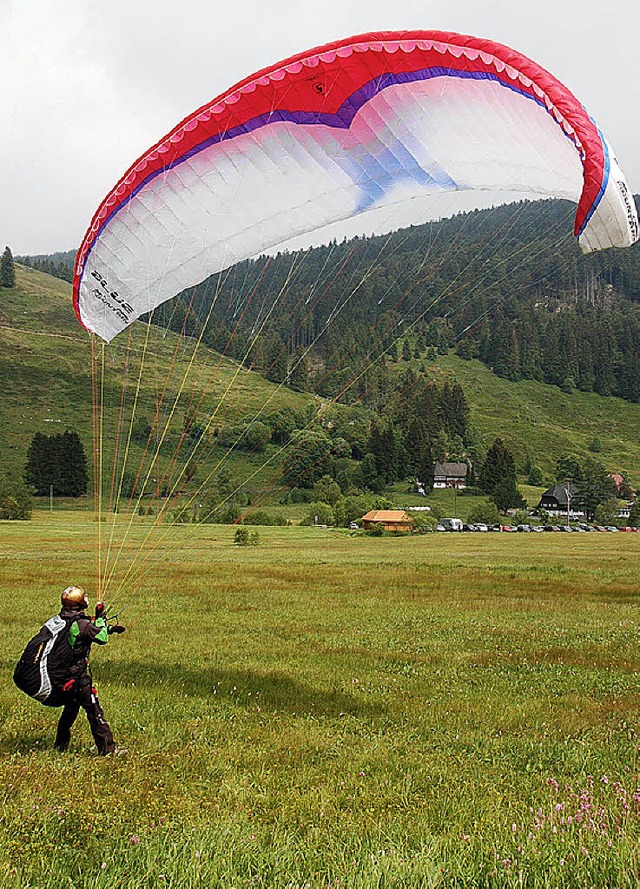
x: 83, y: 695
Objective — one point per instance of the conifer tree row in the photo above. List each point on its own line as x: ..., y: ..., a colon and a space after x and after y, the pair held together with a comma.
x: 58, y: 462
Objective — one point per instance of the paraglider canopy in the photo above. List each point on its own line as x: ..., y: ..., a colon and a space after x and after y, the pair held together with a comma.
x: 338, y: 131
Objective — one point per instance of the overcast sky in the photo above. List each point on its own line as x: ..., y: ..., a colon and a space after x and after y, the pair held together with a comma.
x: 87, y: 85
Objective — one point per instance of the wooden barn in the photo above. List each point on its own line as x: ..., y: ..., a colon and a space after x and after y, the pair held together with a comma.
x: 391, y: 520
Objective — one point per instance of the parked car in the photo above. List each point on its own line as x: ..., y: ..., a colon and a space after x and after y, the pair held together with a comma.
x: 468, y: 527
x: 452, y: 524
x: 482, y: 527
x: 508, y: 528
x: 495, y: 528
x: 523, y: 528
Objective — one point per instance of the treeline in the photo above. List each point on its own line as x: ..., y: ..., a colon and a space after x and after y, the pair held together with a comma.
x: 57, y: 462
x: 59, y: 265
x: 594, y: 349
x: 346, y: 451
x: 359, y: 450
x: 507, y: 285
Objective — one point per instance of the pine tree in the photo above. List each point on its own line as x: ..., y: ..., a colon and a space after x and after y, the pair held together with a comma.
x: 57, y: 461
x: 276, y: 360
x: 418, y: 448
x: 7, y: 269
x: 73, y: 464
x: 498, y: 476
x: 38, y: 470
x: 299, y: 373
x: 595, y: 489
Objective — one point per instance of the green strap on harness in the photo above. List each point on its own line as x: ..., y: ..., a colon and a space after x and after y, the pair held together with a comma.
x: 101, y: 638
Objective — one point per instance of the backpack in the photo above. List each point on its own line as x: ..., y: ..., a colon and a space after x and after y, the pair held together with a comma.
x: 46, y: 661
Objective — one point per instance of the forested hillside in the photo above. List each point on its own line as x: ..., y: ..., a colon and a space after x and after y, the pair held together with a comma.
x: 394, y: 326
x: 59, y: 265
x: 508, y: 286
x: 45, y: 379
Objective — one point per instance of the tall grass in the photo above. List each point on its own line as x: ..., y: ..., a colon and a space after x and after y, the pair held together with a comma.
x: 331, y: 710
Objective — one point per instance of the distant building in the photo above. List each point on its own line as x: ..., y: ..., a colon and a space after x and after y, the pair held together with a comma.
x: 625, y: 511
x: 390, y: 519
x: 554, y: 500
x: 450, y: 475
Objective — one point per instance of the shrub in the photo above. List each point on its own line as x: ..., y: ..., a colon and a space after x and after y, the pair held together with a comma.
x: 15, y: 501
x: 424, y: 524
x: 486, y: 512
x: 535, y: 477
x: 226, y: 514
x: 241, y: 537
x: 319, y: 514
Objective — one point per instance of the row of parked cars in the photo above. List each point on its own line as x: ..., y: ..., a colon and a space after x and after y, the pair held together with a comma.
x: 581, y: 528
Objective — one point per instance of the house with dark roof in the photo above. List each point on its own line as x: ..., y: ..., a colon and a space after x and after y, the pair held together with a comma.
x: 557, y: 498
x: 450, y: 475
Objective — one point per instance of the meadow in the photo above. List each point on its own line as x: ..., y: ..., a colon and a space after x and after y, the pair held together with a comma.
x: 331, y: 710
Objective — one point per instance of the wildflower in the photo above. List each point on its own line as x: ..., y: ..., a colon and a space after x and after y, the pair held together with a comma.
x: 103, y: 865
x: 135, y: 840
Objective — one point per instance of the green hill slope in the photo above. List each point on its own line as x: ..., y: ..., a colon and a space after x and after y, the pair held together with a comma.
x: 45, y: 381
x: 45, y: 385
x: 543, y: 422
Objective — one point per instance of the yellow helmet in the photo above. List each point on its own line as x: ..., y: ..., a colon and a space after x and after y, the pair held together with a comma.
x: 74, y: 598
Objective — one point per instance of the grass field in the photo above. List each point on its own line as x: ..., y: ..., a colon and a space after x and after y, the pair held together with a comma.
x: 326, y: 709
